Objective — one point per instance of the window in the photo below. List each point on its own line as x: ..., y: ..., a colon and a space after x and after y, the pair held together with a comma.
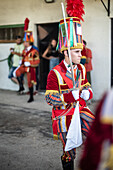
x: 8, y: 33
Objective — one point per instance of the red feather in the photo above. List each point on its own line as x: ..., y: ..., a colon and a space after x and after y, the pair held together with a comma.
x: 26, y: 24
x: 75, y: 8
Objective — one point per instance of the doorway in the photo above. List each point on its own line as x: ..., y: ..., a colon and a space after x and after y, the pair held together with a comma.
x: 46, y: 32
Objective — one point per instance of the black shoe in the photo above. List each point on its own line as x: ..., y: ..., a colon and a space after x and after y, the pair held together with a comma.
x: 67, y: 165
x: 30, y: 100
x: 31, y: 95
x: 21, y: 89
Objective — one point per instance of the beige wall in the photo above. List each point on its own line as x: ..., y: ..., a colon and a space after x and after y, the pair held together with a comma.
x: 15, y: 11
x: 111, y: 10
x: 96, y: 30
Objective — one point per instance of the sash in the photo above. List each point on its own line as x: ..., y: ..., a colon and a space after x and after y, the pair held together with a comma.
x: 68, y: 78
x: 56, y: 113
x: 63, y: 74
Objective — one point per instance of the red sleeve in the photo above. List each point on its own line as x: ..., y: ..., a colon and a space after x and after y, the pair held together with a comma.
x: 35, y: 59
x: 91, y: 93
x: 52, y: 84
x: 68, y: 98
x: 35, y: 62
x: 83, y: 52
x: 88, y: 88
x: 52, y: 81
x: 89, y: 53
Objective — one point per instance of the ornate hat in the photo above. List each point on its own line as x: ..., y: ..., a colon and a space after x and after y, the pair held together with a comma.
x: 28, y: 36
x: 74, y: 27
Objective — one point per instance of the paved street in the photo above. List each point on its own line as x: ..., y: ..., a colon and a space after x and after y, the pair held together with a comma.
x: 26, y: 141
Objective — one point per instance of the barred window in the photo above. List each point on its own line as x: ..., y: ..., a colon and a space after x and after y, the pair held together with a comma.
x: 8, y: 33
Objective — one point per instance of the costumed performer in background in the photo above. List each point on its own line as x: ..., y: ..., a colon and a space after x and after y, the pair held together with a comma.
x: 29, y: 63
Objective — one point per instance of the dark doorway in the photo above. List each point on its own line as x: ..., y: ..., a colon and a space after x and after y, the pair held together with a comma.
x: 112, y: 52
x: 46, y: 32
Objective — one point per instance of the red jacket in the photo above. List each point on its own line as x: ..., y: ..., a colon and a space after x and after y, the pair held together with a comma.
x: 58, y: 93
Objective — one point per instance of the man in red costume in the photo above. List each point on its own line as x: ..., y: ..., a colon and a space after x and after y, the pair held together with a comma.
x: 29, y: 63
x: 88, y: 64
x: 64, y: 100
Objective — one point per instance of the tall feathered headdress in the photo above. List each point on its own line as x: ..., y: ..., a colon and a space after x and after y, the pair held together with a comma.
x: 28, y: 35
x: 26, y: 24
x: 74, y: 27
x: 75, y: 8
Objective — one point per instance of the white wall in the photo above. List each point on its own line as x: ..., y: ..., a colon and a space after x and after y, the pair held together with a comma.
x: 5, y: 83
x: 15, y: 12
x: 96, y: 31
x: 111, y: 10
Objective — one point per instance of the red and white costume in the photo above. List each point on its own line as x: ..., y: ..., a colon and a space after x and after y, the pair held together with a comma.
x: 29, y: 63
x: 58, y: 95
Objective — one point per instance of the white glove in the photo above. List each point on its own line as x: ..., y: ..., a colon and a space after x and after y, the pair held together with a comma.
x: 75, y: 94
x: 85, y: 94
x: 27, y: 64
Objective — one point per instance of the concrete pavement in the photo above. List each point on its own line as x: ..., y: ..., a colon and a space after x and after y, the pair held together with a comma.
x: 26, y: 141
